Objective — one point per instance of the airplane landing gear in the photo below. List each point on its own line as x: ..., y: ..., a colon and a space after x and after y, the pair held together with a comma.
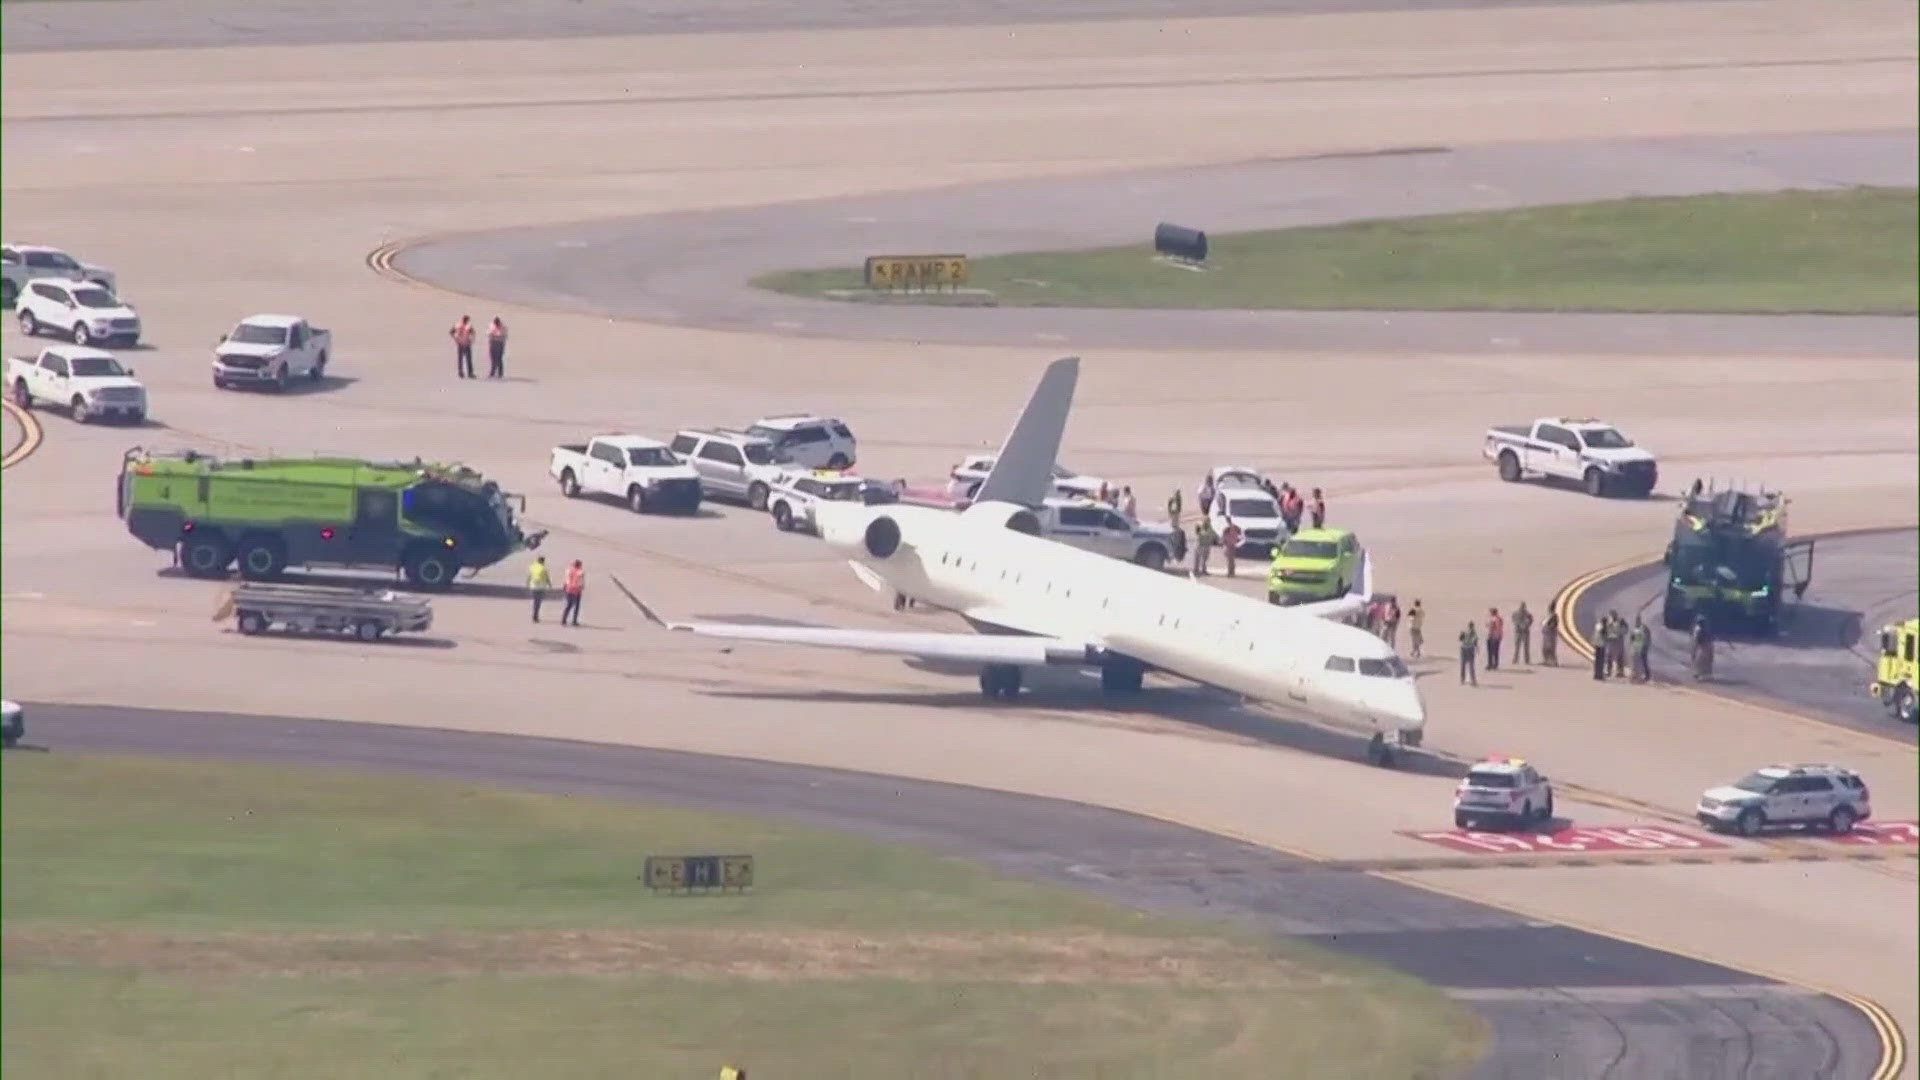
x: 1378, y: 752
x: 1122, y: 675
x: 1000, y: 681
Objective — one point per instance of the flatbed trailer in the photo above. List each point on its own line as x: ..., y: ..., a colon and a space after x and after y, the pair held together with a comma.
x: 368, y: 614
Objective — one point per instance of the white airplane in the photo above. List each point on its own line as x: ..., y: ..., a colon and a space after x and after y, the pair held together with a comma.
x: 1040, y: 603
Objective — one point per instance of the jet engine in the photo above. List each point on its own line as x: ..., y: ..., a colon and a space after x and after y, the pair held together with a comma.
x: 882, y: 537
x: 1007, y: 515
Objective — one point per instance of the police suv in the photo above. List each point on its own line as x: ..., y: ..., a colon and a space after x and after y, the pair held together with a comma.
x: 794, y: 497
x: 1815, y: 796
x: 1502, y: 791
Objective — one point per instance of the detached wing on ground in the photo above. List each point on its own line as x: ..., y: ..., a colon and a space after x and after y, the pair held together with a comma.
x: 966, y: 648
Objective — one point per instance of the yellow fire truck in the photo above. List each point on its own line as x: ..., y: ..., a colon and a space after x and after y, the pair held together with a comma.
x: 1894, y: 680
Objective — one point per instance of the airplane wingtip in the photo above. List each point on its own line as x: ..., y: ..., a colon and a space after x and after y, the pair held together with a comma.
x: 651, y: 615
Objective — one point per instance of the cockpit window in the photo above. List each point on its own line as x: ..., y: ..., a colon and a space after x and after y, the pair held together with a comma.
x: 1386, y: 668
x: 1339, y: 663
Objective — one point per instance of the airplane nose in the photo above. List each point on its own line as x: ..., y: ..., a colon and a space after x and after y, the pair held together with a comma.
x: 1398, y: 704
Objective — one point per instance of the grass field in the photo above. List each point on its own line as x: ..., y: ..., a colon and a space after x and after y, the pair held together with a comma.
x: 168, y: 919
x: 1851, y: 252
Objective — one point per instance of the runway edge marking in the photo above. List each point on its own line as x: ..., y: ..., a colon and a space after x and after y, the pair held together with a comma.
x: 31, y: 436
x: 1568, y: 598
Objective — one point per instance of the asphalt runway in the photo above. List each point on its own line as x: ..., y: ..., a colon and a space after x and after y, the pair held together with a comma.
x: 57, y: 25
x: 693, y: 268
x: 1562, y: 1003
x: 1825, y: 654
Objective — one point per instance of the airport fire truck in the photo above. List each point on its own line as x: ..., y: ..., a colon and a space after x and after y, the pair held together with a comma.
x: 1896, y: 679
x: 1730, y: 560
x: 427, y: 521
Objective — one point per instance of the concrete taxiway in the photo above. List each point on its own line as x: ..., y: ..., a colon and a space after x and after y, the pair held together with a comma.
x: 276, y: 170
x: 1560, y: 1002
x: 1827, y: 647
x: 694, y: 268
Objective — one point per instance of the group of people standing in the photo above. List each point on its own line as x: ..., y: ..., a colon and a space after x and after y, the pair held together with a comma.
x: 1228, y: 537
x: 1615, y: 644
x: 463, y: 333
x: 540, y: 583
x: 1522, y: 624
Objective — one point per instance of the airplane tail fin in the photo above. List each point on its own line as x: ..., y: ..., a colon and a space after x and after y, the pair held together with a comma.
x: 1023, y: 472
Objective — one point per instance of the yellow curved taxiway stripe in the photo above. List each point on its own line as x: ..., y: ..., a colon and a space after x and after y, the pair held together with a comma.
x: 30, y: 437
x: 1569, y: 598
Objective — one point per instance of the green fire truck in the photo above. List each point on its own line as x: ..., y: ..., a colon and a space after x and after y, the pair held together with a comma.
x: 1896, y: 678
x: 427, y: 521
x: 1730, y: 560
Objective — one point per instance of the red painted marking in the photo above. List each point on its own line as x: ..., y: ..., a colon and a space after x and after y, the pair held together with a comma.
x: 1880, y: 834
x: 1579, y: 839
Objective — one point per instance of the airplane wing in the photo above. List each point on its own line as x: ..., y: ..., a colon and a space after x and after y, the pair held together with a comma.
x: 1352, y: 603
x: 969, y: 648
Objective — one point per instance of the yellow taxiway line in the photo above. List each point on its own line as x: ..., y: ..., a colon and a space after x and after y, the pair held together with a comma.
x: 31, y: 434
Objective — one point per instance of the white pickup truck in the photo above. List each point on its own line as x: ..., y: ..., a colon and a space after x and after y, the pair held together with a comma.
x: 641, y: 472
x: 1091, y: 526
x: 1593, y: 453
x: 90, y: 383
x: 270, y: 350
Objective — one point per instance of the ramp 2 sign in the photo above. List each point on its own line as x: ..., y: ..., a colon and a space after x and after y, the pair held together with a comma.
x: 1622, y: 838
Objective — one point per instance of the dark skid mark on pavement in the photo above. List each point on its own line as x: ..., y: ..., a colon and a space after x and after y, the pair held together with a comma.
x: 1562, y: 1006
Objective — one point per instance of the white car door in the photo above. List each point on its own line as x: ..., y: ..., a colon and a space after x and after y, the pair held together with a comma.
x: 724, y: 467
x: 50, y: 382
x: 1078, y: 526
x: 1817, y: 798
x: 604, y: 467
x: 1116, y: 536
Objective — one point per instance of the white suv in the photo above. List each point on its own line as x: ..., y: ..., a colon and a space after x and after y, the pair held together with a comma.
x: 21, y: 263
x: 794, y: 498
x: 1502, y: 791
x: 732, y: 464
x: 972, y: 471
x: 817, y: 442
x: 1816, y: 796
x: 84, y: 312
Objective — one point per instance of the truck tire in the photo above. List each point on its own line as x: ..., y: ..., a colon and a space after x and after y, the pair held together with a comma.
x: 280, y: 380
x: 206, y: 556
x: 367, y: 630
x: 219, y: 383
x: 261, y: 558
x: 1672, y: 615
x: 80, y: 334
x: 1595, y: 481
x: 429, y: 569
x: 9, y: 293
x: 637, y: 498
x: 757, y: 495
x: 1546, y: 810
x: 1151, y: 556
x: 783, y: 516
x: 78, y: 407
x: 838, y: 461
x: 319, y: 369
x: 1509, y: 466
x: 22, y: 396
x: 1840, y: 822
x: 1903, y: 704
x: 569, y: 484
x: 29, y: 325
x: 252, y: 622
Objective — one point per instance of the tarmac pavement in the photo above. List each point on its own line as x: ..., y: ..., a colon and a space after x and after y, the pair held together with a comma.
x: 209, y: 214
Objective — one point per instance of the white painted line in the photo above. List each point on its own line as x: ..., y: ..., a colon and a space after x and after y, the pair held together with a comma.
x: 570, y: 244
x: 23, y: 596
x: 1048, y: 335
